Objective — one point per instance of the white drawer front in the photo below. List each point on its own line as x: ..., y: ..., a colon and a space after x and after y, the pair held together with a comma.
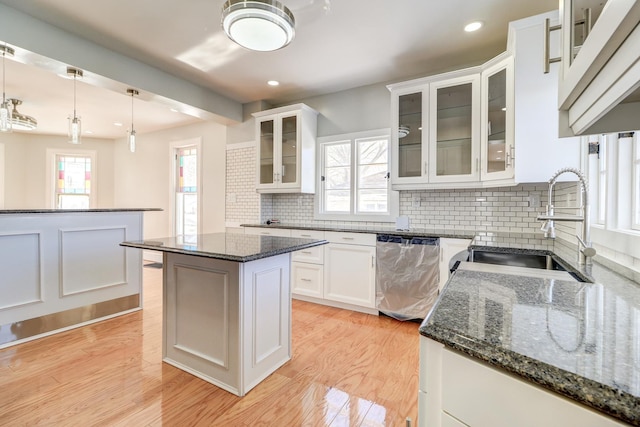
x: 284, y: 232
x: 314, y: 255
x: 351, y: 238
x: 307, y: 279
x: 308, y: 234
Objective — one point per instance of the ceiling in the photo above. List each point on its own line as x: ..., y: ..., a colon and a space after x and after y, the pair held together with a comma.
x: 339, y: 44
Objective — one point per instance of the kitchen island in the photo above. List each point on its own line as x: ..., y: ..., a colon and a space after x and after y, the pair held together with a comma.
x: 226, y: 305
x: 61, y: 269
x: 507, y: 349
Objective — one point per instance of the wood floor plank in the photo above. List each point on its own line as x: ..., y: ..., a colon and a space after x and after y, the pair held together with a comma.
x: 347, y: 369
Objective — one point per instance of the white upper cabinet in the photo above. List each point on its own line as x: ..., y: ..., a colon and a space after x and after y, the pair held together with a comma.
x: 436, y: 131
x: 454, y: 129
x: 539, y: 152
x: 497, y: 120
x: 286, y: 140
x: 600, y: 80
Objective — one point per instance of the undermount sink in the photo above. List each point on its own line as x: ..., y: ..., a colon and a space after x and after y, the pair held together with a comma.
x: 515, y: 259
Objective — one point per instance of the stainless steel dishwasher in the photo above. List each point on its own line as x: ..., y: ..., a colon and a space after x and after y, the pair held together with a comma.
x: 407, y: 275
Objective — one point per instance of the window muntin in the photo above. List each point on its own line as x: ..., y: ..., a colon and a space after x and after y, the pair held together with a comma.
x: 73, y: 181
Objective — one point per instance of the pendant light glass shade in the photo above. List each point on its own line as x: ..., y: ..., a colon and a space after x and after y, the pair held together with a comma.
x: 261, y: 25
x: 5, y: 110
x: 132, y: 133
x: 75, y: 124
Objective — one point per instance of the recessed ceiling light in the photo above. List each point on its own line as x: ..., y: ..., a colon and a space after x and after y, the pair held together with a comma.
x: 473, y: 26
x: 174, y: 110
x: 273, y: 83
x: 88, y: 131
x: 117, y: 124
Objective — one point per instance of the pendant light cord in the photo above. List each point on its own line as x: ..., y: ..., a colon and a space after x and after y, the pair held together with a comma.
x: 132, y: 95
x: 75, y: 75
x: 4, y: 54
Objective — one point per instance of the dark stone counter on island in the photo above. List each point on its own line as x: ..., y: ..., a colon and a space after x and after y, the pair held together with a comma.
x: 227, y: 246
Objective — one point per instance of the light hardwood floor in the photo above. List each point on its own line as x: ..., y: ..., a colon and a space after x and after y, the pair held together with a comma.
x: 347, y: 369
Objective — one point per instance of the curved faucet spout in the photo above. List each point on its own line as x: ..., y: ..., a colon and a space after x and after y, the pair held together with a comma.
x: 584, y: 255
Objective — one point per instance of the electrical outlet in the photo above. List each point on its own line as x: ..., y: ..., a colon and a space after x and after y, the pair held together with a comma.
x: 415, y: 202
x: 534, y: 201
x: 299, y: 201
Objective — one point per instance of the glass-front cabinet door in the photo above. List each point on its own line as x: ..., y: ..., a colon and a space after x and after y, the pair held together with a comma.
x: 288, y: 149
x: 496, y: 130
x: 454, y: 129
x: 266, y: 173
x: 409, y: 135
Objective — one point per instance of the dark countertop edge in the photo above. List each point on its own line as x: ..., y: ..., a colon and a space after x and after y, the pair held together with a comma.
x: 38, y: 211
x: 453, y: 234
x: 224, y: 257
x: 601, y: 397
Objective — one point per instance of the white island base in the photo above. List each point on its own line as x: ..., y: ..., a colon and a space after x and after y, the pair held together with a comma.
x: 227, y: 322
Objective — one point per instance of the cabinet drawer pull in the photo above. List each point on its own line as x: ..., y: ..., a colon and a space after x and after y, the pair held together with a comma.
x: 305, y: 280
x: 265, y: 232
x: 306, y: 252
x: 305, y: 235
x: 347, y: 238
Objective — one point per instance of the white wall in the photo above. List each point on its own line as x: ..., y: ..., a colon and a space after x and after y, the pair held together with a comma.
x: 25, y: 161
x: 143, y: 178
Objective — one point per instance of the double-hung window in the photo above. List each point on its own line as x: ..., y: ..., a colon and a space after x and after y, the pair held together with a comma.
x: 354, y: 178
x: 635, y: 217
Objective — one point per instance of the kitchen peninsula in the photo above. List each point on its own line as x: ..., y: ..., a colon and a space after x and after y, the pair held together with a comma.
x: 64, y: 268
x: 227, y: 305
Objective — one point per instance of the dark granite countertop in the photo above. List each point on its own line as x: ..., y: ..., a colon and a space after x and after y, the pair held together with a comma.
x: 581, y: 340
x: 226, y: 246
x: 41, y: 211
x: 413, y: 232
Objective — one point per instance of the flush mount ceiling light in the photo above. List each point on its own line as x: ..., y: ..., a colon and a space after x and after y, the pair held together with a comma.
x: 75, y: 125
x: 261, y: 25
x: 21, y: 121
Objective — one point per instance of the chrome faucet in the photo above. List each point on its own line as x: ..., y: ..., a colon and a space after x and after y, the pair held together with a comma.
x: 585, y: 249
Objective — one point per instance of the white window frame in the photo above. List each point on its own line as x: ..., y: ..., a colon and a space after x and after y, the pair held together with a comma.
x: 52, y: 180
x: 635, y: 195
x: 393, y: 199
x: 602, y: 193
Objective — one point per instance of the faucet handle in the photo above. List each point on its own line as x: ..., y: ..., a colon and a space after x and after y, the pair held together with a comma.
x: 589, y: 252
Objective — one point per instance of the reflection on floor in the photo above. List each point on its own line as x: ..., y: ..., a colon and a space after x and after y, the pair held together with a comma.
x: 348, y: 369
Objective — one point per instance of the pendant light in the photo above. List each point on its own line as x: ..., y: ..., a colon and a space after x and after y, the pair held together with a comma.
x: 132, y: 132
x: 5, y: 111
x: 261, y: 25
x: 75, y: 126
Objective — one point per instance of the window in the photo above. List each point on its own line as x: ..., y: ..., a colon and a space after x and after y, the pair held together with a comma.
x: 73, y: 181
x: 602, y: 181
x: 635, y: 217
x: 186, y: 190
x: 354, y: 178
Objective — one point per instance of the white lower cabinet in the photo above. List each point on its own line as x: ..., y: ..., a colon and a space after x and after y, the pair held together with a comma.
x: 307, y: 267
x: 456, y: 390
x: 350, y: 274
x: 263, y: 231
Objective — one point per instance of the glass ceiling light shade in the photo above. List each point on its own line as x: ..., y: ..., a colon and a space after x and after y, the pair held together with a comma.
x: 5, y: 111
x: 21, y: 121
x: 132, y: 133
x: 260, y: 25
x: 75, y: 125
